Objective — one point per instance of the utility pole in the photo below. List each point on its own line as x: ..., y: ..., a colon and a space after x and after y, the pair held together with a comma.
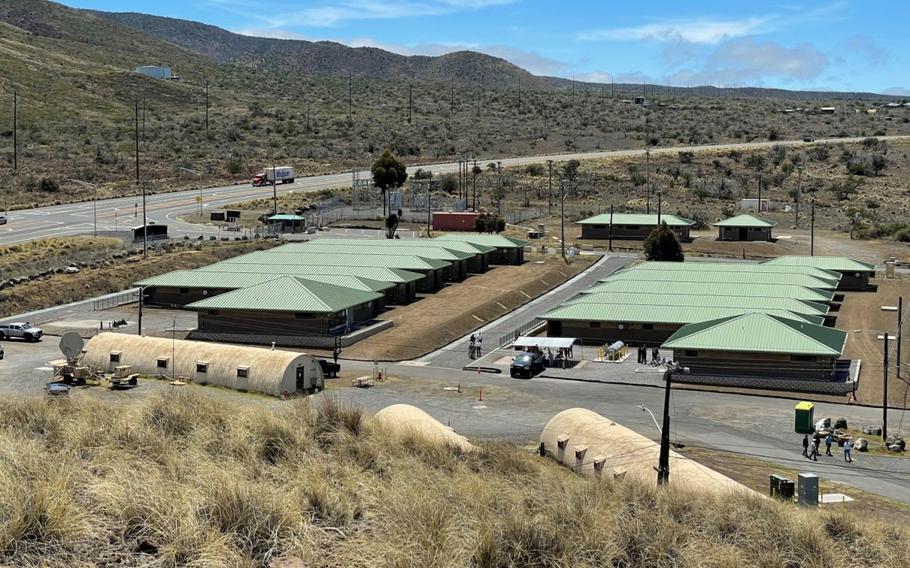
x: 350, y: 95
x: 549, y: 186
x: 206, y: 107
x: 648, y: 175
x: 885, y: 392
x: 799, y: 192
x: 759, y: 193
x: 900, y: 325
x: 429, y: 215
x: 658, y: 208
x: 519, y: 94
x: 562, y: 219
x: 141, y: 295
x: 274, y: 191
x: 16, y: 131
x: 812, y: 231
x: 453, y: 95
x: 474, y: 197
x: 611, y: 228
x: 145, y: 228
x: 663, y: 463
x: 410, y: 104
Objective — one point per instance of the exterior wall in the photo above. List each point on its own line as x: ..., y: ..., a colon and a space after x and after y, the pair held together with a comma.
x: 627, y: 232
x: 510, y: 256
x: 454, y: 221
x: 608, y: 332
x: 174, y: 297
x: 854, y: 281
x: 768, y: 365
x: 744, y: 234
x: 265, y: 323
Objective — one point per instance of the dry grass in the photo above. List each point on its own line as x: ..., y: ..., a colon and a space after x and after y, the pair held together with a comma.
x: 26, y: 259
x: 183, y: 479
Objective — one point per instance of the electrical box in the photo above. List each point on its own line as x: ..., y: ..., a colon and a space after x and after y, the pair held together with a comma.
x: 805, y: 418
x: 807, y: 490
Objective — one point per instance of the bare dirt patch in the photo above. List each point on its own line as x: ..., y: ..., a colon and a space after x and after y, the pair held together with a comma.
x: 450, y: 313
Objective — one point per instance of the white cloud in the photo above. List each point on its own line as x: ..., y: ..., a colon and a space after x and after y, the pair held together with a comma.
x: 703, y: 31
x: 274, y: 33
x: 864, y: 48
x: 332, y: 13
x: 897, y: 91
x: 594, y: 77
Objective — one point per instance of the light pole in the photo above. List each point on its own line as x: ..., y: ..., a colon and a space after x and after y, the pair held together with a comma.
x: 899, y: 308
x: 94, y: 203
x: 644, y: 408
x: 663, y: 464
x: 194, y: 172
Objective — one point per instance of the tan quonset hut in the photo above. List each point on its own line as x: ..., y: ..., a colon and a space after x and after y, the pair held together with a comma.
x: 758, y: 345
x: 745, y: 228
x: 403, y: 420
x: 632, y: 226
x: 270, y: 371
x: 591, y: 444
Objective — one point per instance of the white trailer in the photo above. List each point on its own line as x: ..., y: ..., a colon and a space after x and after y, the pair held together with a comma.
x: 280, y: 174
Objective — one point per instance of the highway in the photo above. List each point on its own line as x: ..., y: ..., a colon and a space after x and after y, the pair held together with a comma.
x: 118, y: 213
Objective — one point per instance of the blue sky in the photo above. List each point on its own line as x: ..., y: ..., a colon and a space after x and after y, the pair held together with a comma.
x: 844, y: 45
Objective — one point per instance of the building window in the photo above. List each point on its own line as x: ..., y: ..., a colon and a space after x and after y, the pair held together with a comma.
x: 690, y: 353
x: 184, y: 290
x: 162, y: 363
x: 647, y: 326
x: 243, y: 372
x: 594, y: 324
x: 213, y: 312
x: 115, y: 357
x: 202, y: 367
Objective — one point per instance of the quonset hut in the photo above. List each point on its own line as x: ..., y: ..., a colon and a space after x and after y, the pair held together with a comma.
x: 269, y: 371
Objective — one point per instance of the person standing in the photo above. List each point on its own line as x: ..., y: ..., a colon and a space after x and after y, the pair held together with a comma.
x: 655, y: 354
x: 829, y: 439
x: 813, y: 450
x: 848, y: 450
x: 805, y: 445
x: 479, y: 352
x: 472, y: 346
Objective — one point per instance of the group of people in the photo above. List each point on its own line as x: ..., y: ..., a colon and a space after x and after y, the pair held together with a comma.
x: 811, y: 448
x: 643, y: 354
x: 475, y: 346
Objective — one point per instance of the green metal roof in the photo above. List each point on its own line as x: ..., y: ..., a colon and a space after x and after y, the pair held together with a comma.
x: 738, y: 267
x: 288, y: 294
x: 708, y: 278
x: 717, y: 289
x: 657, y: 314
x: 657, y: 300
x: 417, y: 244
x: 235, y: 280
x: 837, y: 263
x: 485, y: 239
x: 746, y: 221
x: 390, y: 247
x: 760, y: 333
x: 286, y: 217
x: 406, y: 262
x: 644, y: 219
x: 394, y: 275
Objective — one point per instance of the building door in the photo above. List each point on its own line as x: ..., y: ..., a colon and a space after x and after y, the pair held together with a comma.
x: 301, y: 379
x: 743, y: 233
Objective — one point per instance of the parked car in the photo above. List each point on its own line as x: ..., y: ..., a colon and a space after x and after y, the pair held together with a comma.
x: 20, y: 330
x: 808, y: 139
x: 329, y: 368
x: 2, y: 219
x: 526, y: 364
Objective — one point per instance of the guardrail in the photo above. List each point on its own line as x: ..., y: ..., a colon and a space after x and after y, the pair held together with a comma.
x: 519, y: 331
x: 114, y: 300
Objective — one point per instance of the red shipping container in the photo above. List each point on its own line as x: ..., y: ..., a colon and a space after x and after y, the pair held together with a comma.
x: 454, y: 220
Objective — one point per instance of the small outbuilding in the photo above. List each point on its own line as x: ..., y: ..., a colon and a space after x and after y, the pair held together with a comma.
x: 270, y: 371
x: 404, y: 420
x: 632, y: 226
x: 745, y: 228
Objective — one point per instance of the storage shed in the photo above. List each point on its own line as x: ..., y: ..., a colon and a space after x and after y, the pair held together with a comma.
x: 591, y: 444
x: 269, y: 371
x: 632, y: 226
x: 745, y: 228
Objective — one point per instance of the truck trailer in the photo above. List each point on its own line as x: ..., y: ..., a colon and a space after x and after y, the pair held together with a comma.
x: 281, y: 174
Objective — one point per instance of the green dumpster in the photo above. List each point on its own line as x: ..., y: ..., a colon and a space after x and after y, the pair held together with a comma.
x: 805, y: 422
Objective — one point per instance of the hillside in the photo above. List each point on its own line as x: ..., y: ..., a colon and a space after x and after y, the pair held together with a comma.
x: 193, y: 479
x: 324, y: 58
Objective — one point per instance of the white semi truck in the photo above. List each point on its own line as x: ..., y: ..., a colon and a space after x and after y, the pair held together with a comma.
x: 281, y: 174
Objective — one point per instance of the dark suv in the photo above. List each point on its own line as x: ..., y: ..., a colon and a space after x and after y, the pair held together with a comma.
x: 526, y: 364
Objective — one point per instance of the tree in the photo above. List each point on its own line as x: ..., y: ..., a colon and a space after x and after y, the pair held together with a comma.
x: 663, y: 245
x: 388, y: 173
x: 422, y: 174
x: 570, y: 169
x: 391, y: 224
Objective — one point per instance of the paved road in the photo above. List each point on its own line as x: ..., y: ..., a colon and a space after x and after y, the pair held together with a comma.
x: 113, y: 214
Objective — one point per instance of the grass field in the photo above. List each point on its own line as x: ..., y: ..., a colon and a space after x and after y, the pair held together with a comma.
x: 183, y: 480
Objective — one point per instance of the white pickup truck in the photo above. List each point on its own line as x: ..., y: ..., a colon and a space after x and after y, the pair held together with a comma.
x: 19, y: 330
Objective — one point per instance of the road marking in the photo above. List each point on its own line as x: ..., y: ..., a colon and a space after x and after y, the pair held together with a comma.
x: 525, y: 294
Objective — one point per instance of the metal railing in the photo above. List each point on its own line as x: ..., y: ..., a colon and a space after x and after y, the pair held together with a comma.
x: 519, y: 331
x: 114, y: 300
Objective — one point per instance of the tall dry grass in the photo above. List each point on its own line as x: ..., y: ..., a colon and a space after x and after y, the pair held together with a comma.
x: 185, y: 480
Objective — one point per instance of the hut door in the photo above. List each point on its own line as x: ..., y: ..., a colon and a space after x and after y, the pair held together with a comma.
x: 743, y: 233
x: 301, y: 379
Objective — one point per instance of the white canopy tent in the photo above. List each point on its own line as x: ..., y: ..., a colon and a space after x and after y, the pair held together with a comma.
x: 544, y: 342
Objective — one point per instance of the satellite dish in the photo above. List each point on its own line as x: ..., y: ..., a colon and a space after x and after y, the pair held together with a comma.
x: 71, y: 344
